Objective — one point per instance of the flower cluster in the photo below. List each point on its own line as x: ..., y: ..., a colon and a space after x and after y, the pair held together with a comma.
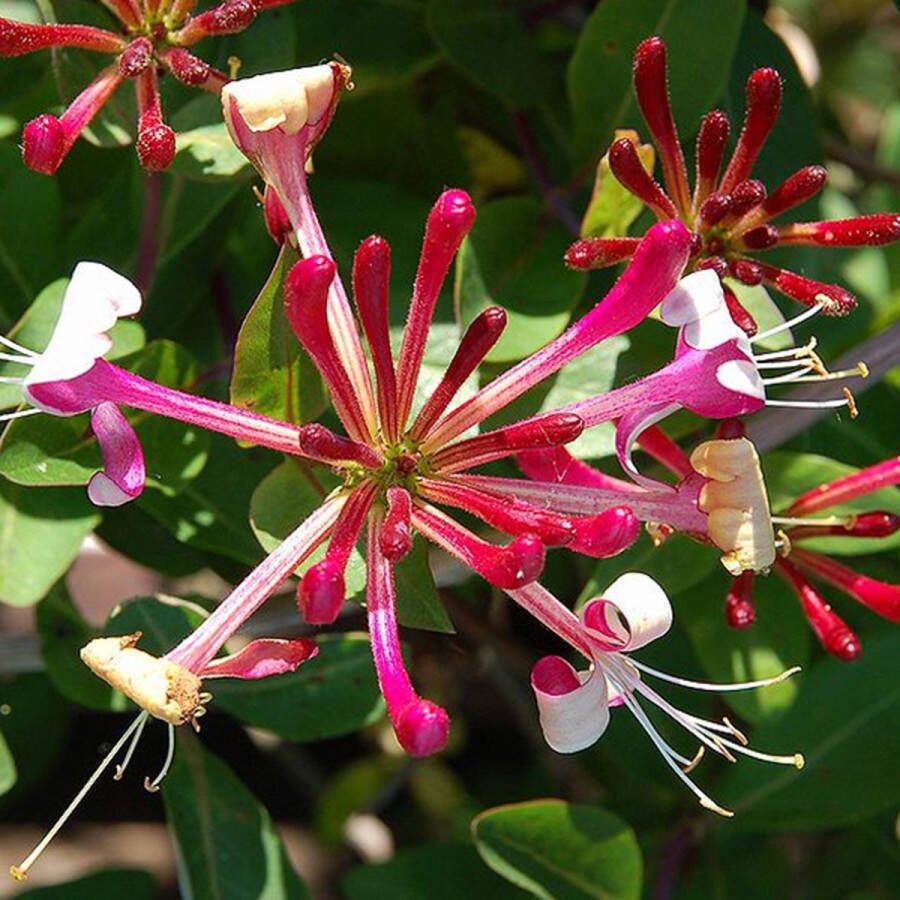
x: 150, y: 38
x: 408, y: 464
x: 729, y: 213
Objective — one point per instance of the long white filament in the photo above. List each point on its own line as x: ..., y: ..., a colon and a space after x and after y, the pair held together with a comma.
x: 20, y: 872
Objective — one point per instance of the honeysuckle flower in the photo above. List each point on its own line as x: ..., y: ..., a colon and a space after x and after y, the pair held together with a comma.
x: 70, y: 377
x: 716, y: 372
x: 721, y: 497
x: 147, y: 39
x: 730, y: 217
x: 574, y: 707
x: 170, y: 688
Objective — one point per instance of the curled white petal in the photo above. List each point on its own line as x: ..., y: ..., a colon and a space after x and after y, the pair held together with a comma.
x: 634, y: 607
x: 697, y: 305
x: 573, y: 706
x: 742, y: 378
x: 95, y: 298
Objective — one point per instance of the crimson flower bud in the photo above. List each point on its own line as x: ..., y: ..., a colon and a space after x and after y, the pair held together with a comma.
x: 44, y: 144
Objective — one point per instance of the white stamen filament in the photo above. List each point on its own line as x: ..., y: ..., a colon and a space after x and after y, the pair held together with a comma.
x: 20, y: 872
x: 9, y: 379
x: 787, y: 324
x: 673, y: 760
x: 18, y: 414
x: 801, y: 375
x: 120, y: 769
x: 153, y: 786
x: 795, y: 352
x: 784, y: 364
x: 22, y: 360
x: 710, y: 686
x: 17, y: 347
x: 842, y: 521
x: 809, y: 404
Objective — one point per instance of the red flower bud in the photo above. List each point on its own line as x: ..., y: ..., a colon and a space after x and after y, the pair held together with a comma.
x: 44, y: 144
x: 155, y: 147
x: 626, y: 165
x: 136, y: 57
x: 597, y: 253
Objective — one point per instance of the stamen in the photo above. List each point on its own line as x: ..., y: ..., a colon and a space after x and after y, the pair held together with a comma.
x: 861, y: 370
x: 18, y: 414
x: 20, y: 872
x: 120, y: 769
x: 789, y: 323
x: 7, y: 379
x: 795, y: 352
x: 29, y: 361
x: 818, y: 404
x: 785, y: 364
x: 735, y: 731
x: 17, y: 347
x: 851, y: 403
x: 842, y: 521
x: 153, y: 786
x: 701, y: 752
x: 709, y: 686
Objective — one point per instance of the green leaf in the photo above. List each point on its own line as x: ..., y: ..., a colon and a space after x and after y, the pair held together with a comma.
x: 847, y: 725
x: 561, y: 851
x: 113, y: 884
x: 63, y: 632
x: 613, y: 207
x: 208, y: 152
x: 701, y: 36
x: 680, y: 563
x: 227, y: 846
x: 41, y: 534
x: 489, y: 43
x: 445, y: 872
x: 7, y: 767
x: 512, y: 259
x: 210, y: 512
x: 61, y: 451
x: 788, y: 475
x: 283, y: 499
x: 162, y: 620
x: 334, y: 693
x: 418, y: 603
x: 30, y: 231
x: 272, y: 374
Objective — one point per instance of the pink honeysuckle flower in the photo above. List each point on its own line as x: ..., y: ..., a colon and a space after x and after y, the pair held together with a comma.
x: 715, y: 373
x: 148, y: 38
x: 729, y: 216
x: 574, y: 707
x: 70, y: 376
x: 169, y: 688
x: 720, y: 498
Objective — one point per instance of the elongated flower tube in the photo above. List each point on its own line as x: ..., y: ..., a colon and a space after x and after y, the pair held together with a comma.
x: 716, y: 372
x: 170, y: 688
x: 574, y: 706
x: 146, y: 38
x: 729, y: 213
x: 70, y: 376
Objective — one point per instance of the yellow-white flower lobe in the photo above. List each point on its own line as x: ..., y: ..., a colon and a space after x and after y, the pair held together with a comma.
x: 289, y: 100
x: 165, y: 689
x: 736, y: 502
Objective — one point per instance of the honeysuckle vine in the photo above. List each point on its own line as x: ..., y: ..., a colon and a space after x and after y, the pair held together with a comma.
x: 729, y: 213
x: 148, y: 38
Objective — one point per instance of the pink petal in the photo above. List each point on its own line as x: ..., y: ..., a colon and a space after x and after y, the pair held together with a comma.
x: 262, y: 658
x: 122, y: 478
x: 633, y: 611
x: 573, y: 706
